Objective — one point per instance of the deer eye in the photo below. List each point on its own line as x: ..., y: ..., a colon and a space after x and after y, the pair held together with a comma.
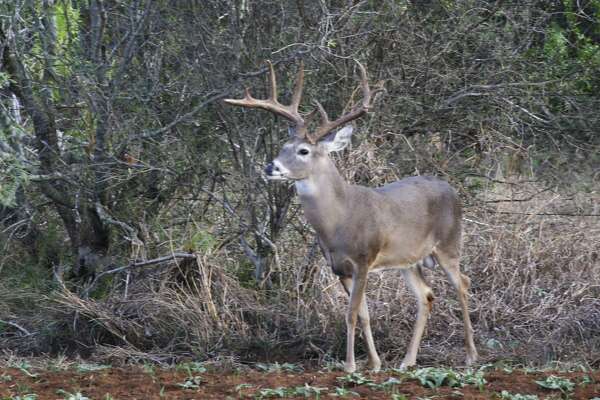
x: 303, y: 152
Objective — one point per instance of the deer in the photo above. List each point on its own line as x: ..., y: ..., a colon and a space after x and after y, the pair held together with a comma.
x: 405, y: 225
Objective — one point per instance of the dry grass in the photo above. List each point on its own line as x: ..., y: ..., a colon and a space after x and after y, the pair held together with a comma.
x: 535, y: 295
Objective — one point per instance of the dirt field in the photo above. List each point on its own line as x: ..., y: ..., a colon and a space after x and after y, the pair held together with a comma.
x: 97, y: 382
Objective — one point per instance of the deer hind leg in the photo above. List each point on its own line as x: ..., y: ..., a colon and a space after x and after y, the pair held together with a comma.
x: 358, y: 309
x: 461, y: 283
x: 424, y: 297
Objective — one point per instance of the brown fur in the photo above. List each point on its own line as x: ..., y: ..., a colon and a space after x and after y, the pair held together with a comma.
x: 360, y: 229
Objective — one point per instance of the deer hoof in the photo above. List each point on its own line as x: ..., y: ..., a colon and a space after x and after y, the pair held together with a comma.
x: 471, y: 359
x: 407, y: 364
x: 349, y: 367
x: 374, y: 365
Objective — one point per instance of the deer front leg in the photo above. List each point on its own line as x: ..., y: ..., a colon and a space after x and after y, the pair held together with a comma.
x: 358, y: 285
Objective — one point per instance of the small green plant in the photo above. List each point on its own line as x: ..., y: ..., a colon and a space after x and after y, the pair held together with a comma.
x: 398, y: 396
x: 586, y: 380
x: 193, y: 382
x: 148, y: 368
x: 436, y: 377
x: 557, y: 383
x: 87, y: 367
x: 471, y: 377
x: 243, y: 386
x: 72, y: 396
x: 272, y: 393
x: 24, y: 367
x: 29, y: 396
x: 387, y: 386
x: 355, y: 378
x: 308, y: 391
x: 343, y: 392
x: 5, y: 377
x: 191, y: 367
x: 276, y: 367
x: 517, y: 396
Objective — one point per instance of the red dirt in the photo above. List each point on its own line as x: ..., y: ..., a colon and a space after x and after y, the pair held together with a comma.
x: 134, y: 383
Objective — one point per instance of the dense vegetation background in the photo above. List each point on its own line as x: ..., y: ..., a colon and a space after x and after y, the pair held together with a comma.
x: 135, y: 223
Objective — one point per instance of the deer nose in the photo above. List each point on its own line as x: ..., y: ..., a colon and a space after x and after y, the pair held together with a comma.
x: 270, y: 168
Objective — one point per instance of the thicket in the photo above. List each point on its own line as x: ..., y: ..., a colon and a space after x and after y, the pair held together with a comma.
x: 135, y: 222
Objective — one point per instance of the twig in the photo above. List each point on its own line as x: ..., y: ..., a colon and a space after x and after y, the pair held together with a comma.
x: 543, y: 214
x: 19, y: 327
x: 136, y: 265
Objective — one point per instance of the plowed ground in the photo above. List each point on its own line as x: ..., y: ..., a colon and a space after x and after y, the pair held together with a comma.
x: 136, y: 383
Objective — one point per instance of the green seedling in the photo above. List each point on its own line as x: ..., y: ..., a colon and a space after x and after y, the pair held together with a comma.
x: 276, y: 367
x: 557, y: 383
x: 272, y: 393
x: 191, y: 367
x: 436, y: 377
x: 193, y: 382
x: 355, y: 378
x: 72, y: 396
x: 85, y: 367
x: 308, y: 391
x: 343, y: 392
x: 517, y: 396
x: 243, y: 386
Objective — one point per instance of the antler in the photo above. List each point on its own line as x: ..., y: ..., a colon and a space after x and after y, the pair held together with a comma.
x: 271, y: 104
x: 291, y: 112
x: 327, y: 126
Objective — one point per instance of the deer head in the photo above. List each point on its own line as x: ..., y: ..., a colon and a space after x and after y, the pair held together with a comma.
x: 308, y: 148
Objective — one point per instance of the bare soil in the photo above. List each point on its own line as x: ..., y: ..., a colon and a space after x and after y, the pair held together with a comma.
x: 135, y: 383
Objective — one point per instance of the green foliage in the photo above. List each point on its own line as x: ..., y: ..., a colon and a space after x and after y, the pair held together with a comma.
x: 243, y: 386
x: 306, y: 391
x: 191, y: 367
x: 517, y: 396
x: 572, y: 52
x: 201, y: 241
x: 72, y: 396
x: 67, y: 22
x: 557, y: 383
x: 88, y: 367
x: 276, y: 367
x: 436, y: 377
x: 192, y: 382
x: 343, y: 392
x: 13, y: 176
x: 272, y: 393
x: 29, y: 396
x: 355, y: 378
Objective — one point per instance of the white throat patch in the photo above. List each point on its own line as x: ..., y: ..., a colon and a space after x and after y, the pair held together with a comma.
x: 306, y: 187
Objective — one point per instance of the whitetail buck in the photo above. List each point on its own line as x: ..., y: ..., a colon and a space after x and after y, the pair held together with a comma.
x: 404, y: 224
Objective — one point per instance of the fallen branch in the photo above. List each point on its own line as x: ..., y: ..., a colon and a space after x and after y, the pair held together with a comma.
x: 158, y: 260
x: 19, y: 327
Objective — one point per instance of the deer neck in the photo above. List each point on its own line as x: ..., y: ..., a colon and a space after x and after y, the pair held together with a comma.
x: 323, y: 197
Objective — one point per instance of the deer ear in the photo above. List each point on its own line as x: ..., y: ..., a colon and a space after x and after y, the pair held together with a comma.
x: 338, y: 140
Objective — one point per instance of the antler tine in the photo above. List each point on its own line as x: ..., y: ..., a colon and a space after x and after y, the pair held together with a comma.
x: 273, y: 82
x: 298, y: 87
x: 327, y: 126
x: 273, y: 105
